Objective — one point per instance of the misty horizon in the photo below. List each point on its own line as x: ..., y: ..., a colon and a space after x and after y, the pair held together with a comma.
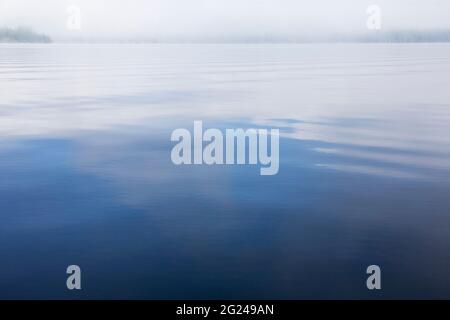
x: 233, y: 21
x: 29, y: 35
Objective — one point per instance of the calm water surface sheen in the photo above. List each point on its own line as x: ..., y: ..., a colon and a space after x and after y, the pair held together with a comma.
x: 86, y: 175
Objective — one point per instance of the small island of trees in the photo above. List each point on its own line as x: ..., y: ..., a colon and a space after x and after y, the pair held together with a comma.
x: 22, y: 34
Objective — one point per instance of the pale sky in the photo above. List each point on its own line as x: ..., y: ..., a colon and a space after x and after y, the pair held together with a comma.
x: 210, y: 18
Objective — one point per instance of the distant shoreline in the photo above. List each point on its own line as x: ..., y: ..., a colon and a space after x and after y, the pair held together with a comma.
x: 22, y: 35
x: 26, y: 35
x: 394, y: 36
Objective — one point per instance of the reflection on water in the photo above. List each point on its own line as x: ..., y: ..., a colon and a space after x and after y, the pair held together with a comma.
x: 87, y: 177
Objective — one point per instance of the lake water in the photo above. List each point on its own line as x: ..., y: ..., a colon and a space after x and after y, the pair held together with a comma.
x: 87, y: 179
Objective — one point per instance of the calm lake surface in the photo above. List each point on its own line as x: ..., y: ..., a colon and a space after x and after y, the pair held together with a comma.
x: 87, y: 179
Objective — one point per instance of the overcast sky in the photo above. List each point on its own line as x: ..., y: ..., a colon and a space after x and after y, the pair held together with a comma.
x: 206, y: 18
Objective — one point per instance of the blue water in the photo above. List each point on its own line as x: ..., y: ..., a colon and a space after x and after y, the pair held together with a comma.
x: 87, y: 179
